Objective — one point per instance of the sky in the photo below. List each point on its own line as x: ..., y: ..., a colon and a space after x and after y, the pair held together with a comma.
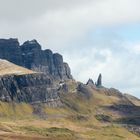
x: 94, y: 36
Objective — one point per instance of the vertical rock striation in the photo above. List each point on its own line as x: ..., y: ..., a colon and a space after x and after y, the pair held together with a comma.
x: 30, y: 88
x: 99, y: 81
x: 10, y: 50
x: 31, y: 56
x: 97, y: 84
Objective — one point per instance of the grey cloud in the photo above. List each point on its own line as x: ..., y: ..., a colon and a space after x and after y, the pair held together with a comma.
x: 16, y: 10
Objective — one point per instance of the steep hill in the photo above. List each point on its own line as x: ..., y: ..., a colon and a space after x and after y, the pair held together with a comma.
x: 7, y: 68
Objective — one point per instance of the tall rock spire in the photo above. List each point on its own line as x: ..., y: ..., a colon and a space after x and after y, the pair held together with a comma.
x: 99, y: 81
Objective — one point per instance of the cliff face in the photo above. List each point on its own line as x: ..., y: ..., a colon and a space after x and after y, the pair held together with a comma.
x: 31, y: 88
x: 22, y: 85
x: 10, y: 50
x: 97, y: 84
x: 31, y: 56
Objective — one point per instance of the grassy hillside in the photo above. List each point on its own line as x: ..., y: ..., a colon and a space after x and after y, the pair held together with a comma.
x: 7, y: 68
x: 80, y: 117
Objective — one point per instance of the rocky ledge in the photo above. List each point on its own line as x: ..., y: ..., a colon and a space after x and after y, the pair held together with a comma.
x: 30, y: 88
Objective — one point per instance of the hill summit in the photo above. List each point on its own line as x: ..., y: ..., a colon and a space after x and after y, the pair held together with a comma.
x: 31, y: 56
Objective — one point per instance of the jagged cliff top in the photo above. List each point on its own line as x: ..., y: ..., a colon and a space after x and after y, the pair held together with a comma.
x: 31, y: 56
x: 8, y: 68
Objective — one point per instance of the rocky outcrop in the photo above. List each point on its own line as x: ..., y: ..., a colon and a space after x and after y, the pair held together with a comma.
x: 84, y: 90
x: 90, y: 82
x: 99, y: 81
x: 97, y: 84
x: 10, y: 50
x: 31, y: 88
x: 31, y: 56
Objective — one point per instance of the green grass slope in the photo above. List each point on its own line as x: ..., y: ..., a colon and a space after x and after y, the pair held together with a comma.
x: 82, y: 117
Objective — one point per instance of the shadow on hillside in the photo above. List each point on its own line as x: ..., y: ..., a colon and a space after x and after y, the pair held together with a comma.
x: 130, y: 113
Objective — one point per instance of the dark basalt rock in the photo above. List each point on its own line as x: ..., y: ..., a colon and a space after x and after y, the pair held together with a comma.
x: 90, y: 82
x: 37, y: 87
x: 67, y: 71
x: 32, y: 88
x: 31, y: 56
x: 99, y: 81
x: 10, y: 50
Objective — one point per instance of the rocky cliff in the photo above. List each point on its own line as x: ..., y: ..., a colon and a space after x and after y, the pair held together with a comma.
x: 31, y: 56
x: 37, y: 85
x: 30, y: 88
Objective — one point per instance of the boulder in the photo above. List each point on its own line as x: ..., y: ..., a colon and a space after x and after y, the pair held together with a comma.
x: 90, y: 82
